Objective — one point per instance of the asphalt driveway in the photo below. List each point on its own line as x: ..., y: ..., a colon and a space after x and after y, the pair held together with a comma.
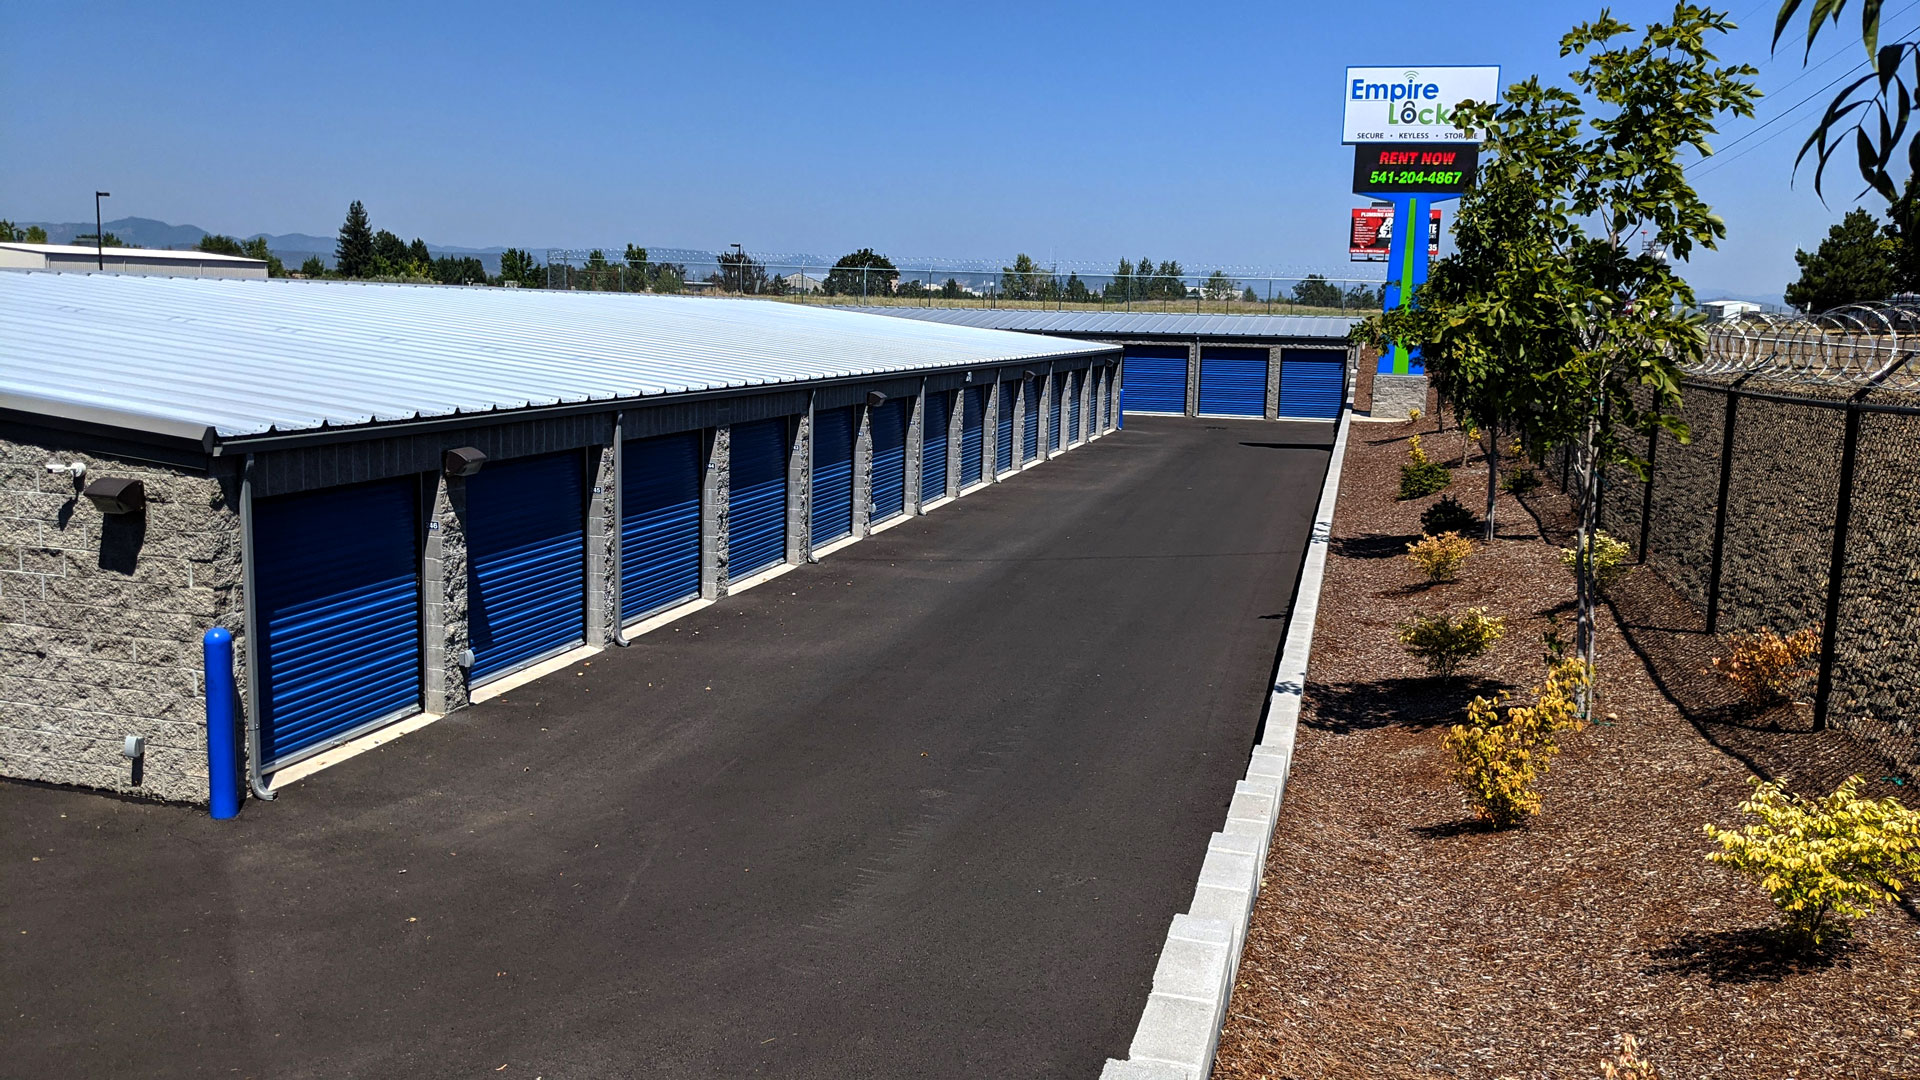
x: 922, y: 810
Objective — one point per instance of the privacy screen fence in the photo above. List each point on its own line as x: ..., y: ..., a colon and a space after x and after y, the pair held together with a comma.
x: 1795, y: 504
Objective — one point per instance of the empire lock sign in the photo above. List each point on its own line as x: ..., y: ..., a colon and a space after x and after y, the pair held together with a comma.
x: 1395, y: 168
x: 1397, y: 104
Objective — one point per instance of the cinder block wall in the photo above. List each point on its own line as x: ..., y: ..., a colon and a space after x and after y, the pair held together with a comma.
x: 101, y: 619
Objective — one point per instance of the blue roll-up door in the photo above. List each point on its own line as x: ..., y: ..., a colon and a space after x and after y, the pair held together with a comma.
x: 973, y: 433
x: 1154, y: 379
x: 526, y: 560
x: 831, y: 509
x: 889, y: 423
x: 337, y: 600
x: 1312, y: 383
x: 1030, y: 420
x: 1003, y: 427
x: 936, y: 414
x: 660, y: 522
x: 1233, y: 382
x: 1076, y: 382
x: 1053, y: 412
x: 757, y: 497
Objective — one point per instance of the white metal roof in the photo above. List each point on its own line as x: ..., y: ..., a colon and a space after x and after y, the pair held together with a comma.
x: 119, y: 252
x: 247, y: 357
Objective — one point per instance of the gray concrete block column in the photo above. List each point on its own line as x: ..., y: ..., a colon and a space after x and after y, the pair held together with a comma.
x: 1272, y: 411
x: 1019, y: 423
x: 450, y: 514
x: 863, y: 473
x: 800, y: 489
x: 603, y: 556
x: 715, y: 489
x: 956, y: 425
x: 916, y: 430
x: 1193, y: 379
x: 990, y: 435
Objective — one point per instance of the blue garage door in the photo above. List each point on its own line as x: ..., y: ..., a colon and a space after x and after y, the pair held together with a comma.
x: 1030, y: 420
x: 757, y: 498
x: 1053, y: 411
x: 973, y: 432
x: 889, y: 424
x: 1076, y: 385
x: 1312, y: 383
x: 660, y: 522
x: 526, y: 561
x: 1003, y: 427
x: 936, y: 414
x: 1154, y: 379
x: 337, y: 598
x: 832, y: 501
x: 1233, y: 382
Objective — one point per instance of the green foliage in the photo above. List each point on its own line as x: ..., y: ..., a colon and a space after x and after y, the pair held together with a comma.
x: 86, y: 240
x: 459, y: 270
x: 1440, y: 557
x: 256, y: 248
x: 216, y: 244
x: 740, y: 273
x: 1503, y: 750
x: 863, y: 273
x: 10, y: 233
x: 518, y: 266
x: 1448, y: 515
x: 1855, y: 263
x: 1421, y: 475
x: 353, y: 255
x: 1873, y: 109
x: 1606, y: 557
x: 1219, y: 286
x: 1443, y: 643
x: 36, y: 235
x: 313, y: 267
x: 1316, y: 291
x: 1248, y: 296
x: 1521, y: 481
x: 1821, y: 858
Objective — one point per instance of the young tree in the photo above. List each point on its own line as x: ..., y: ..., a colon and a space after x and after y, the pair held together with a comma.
x: 1248, y: 296
x: 1552, y: 325
x: 216, y: 244
x: 1121, y: 287
x: 256, y: 248
x: 952, y: 290
x: 1021, y: 281
x: 1219, y: 286
x: 519, y: 267
x: 353, y: 249
x: 863, y: 273
x: 1854, y: 263
x: 740, y: 273
x: 313, y: 267
x: 1316, y: 291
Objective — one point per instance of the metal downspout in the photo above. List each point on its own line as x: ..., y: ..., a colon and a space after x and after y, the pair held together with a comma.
x: 255, y: 781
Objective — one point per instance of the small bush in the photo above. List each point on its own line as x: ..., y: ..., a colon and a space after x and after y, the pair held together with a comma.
x: 1521, y: 482
x: 1630, y: 1064
x: 1821, y: 858
x: 1446, y: 516
x: 1767, y: 667
x: 1439, y: 557
x: 1421, y: 475
x: 1606, y: 558
x: 1444, y: 643
x: 1414, y: 414
x: 1502, y: 751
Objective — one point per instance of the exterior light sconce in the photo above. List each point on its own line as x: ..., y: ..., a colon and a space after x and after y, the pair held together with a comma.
x: 463, y: 461
x: 1028, y: 376
x: 875, y: 399
x: 117, y: 495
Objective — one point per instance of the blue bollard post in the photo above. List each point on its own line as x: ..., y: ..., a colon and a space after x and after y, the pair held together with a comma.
x: 223, y: 749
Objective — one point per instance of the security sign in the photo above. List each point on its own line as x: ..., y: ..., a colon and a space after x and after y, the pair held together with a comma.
x: 1404, y: 104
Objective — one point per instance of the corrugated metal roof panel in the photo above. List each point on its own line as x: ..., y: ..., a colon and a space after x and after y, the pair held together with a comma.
x: 1125, y: 323
x: 249, y: 357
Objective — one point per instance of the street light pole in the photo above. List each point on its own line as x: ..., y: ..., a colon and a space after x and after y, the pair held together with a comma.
x: 99, y: 238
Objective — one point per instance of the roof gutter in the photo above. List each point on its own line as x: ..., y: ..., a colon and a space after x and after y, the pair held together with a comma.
x: 177, y: 434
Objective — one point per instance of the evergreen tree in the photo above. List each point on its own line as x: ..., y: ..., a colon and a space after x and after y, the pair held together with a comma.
x: 216, y: 244
x: 418, y: 254
x: 519, y: 268
x: 1854, y: 263
x: 390, y: 255
x: 1121, y: 287
x: 1249, y: 296
x: 1904, y: 231
x: 256, y: 248
x: 353, y: 251
x: 313, y: 267
x: 1143, y: 279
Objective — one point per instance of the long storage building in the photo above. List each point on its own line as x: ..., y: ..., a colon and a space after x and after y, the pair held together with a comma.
x: 401, y: 498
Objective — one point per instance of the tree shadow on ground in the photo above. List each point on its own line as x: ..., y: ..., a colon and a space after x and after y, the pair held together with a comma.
x: 1344, y: 708
x: 1747, y: 955
x: 1372, y: 545
x: 1448, y: 829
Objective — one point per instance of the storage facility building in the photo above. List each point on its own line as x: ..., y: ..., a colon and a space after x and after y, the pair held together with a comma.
x: 127, y: 260
x: 1281, y: 367
x: 401, y: 498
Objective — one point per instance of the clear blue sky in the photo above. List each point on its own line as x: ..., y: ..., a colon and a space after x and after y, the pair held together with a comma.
x: 1080, y: 132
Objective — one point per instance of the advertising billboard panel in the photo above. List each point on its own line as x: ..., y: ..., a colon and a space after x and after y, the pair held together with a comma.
x: 1414, y: 168
x: 1371, y: 236
x: 1405, y: 104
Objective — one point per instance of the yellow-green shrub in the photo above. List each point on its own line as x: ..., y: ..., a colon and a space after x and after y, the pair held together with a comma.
x: 1630, y: 1064
x: 1503, y: 750
x: 1421, y: 475
x: 1821, y: 858
x: 1414, y: 414
x: 1767, y: 666
x: 1444, y: 643
x: 1439, y: 557
x: 1606, y: 557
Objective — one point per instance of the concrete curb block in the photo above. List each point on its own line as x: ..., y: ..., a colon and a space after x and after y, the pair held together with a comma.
x: 1179, y: 1029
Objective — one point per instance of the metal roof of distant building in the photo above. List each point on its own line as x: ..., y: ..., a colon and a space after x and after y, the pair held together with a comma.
x: 249, y: 357
x: 120, y: 251
x: 1130, y: 323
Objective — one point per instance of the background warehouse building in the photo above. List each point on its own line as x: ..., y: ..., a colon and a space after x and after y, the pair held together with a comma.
x: 398, y: 497
x: 1290, y: 367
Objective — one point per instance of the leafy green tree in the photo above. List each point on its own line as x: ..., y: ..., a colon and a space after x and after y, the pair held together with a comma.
x: 1076, y: 291
x: 1362, y: 297
x: 216, y: 244
x: 952, y: 290
x: 313, y: 267
x: 11, y: 233
x: 1143, y: 279
x: 110, y: 240
x: 1874, y: 108
x: 1121, y: 287
x: 740, y: 273
x: 36, y: 235
x: 1903, y: 229
x: 1021, y: 281
x: 1316, y: 291
x: 390, y: 255
x: 256, y: 248
x: 1248, y: 296
x: 1552, y: 326
x: 1169, y: 282
x: 1219, y: 286
x: 353, y: 251
x: 1854, y: 263
x: 863, y: 273
x: 459, y: 270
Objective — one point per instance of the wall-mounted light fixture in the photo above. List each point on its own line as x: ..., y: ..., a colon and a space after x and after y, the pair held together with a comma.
x: 117, y: 495
x: 875, y: 399
x: 75, y: 469
x: 1028, y: 376
x: 463, y: 461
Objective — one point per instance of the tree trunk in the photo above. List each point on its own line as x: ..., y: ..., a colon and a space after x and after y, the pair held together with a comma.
x: 1585, y: 507
x: 1493, y: 475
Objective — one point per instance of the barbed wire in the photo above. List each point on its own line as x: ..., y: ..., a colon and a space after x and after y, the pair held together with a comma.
x: 1857, y: 345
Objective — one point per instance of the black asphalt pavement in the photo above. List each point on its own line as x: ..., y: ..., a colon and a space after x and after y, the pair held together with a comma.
x: 924, y: 809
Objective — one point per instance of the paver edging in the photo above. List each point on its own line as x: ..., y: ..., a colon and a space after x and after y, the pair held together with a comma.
x: 1179, y: 1029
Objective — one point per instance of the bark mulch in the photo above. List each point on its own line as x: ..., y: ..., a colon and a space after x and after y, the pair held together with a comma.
x: 1394, y: 937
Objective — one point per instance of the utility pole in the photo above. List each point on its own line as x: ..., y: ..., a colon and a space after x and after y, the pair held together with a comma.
x: 99, y: 238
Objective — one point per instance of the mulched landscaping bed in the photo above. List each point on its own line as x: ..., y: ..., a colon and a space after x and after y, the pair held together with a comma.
x: 1394, y: 937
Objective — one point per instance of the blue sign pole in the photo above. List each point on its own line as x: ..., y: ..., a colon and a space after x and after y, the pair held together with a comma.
x: 1406, y: 272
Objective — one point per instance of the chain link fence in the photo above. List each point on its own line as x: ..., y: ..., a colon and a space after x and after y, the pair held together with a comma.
x: 1165, y: 288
